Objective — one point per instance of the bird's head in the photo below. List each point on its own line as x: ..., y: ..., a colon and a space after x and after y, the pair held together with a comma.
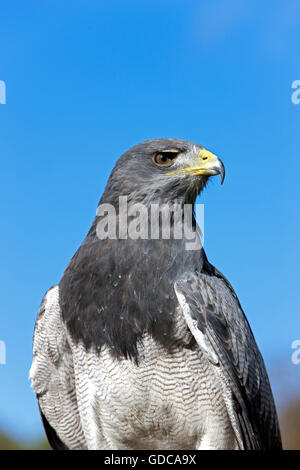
x: 164, y: 169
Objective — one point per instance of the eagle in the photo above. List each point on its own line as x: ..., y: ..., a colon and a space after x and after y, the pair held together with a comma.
x: 143, y: 344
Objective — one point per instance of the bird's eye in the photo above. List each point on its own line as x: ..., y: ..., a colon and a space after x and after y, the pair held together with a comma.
x: 164, y: 158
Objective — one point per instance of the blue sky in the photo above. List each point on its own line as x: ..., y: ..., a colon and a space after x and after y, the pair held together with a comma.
x: 86, y: 80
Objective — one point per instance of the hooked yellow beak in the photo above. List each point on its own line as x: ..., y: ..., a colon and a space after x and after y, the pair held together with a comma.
x: 205, y: 163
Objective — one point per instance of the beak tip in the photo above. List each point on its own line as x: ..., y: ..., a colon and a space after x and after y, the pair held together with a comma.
x: 222, y: 172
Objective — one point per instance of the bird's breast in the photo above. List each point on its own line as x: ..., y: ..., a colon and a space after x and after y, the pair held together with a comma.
x: 163, y: 402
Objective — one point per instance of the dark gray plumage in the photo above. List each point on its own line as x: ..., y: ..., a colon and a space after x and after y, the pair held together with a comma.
x: 126, y: 309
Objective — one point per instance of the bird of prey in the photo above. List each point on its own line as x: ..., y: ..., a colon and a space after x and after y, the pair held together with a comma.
x: 144, y: 344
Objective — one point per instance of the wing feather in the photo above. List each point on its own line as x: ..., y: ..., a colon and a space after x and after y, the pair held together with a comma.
x: 215, y: 318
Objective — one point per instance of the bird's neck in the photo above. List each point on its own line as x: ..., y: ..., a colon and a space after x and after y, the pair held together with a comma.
x: 148, y: 218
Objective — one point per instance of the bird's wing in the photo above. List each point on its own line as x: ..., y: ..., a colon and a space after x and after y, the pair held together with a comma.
x: 52, y: 377
x: 215, y: 318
